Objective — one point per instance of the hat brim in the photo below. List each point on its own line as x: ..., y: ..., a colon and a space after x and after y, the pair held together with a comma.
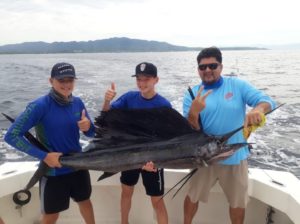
x: 151, y: 75
x: 65, y: 76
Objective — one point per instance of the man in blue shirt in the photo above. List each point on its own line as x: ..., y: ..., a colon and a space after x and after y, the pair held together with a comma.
x: 218, y: 108
x: 57, y: 117
x: 153, y: 179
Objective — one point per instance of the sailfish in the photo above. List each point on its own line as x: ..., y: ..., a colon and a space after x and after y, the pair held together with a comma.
x: 126, y: 139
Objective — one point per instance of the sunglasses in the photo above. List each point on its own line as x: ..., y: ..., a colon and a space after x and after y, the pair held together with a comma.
x: 211, y: 66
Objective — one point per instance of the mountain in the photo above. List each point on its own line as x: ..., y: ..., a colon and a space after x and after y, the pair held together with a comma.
x: 115, y: 44
x: 106, y: 45
x: 295, y: 46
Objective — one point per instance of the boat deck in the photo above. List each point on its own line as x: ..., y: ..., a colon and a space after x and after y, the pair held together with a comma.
x: 264, y: 194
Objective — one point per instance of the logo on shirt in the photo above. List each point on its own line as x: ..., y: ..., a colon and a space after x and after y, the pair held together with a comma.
x: 228, y: 95
x: 77, y: 114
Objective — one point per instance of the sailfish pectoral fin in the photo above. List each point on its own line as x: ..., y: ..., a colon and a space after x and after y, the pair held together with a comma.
x: 228, y: 150
x: 220, y: 157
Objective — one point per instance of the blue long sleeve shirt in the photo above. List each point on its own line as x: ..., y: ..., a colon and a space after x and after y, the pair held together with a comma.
x: 226, y: 110
x: 56, y: 128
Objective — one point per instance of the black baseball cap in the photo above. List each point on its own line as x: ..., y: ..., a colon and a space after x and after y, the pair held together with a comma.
x: 145, y: 68
x: 63, y: 70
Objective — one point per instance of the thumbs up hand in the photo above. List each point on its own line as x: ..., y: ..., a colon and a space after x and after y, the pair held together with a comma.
x: 84, y: 124
x: 110, y: 93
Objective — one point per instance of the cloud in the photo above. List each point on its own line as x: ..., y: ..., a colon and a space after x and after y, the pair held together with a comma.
x: 188, y: 23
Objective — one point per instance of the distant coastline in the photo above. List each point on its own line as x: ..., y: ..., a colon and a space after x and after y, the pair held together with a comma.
x: 111, y: 45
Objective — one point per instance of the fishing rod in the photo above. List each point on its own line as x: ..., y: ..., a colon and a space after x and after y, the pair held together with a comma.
x: 272, y: 179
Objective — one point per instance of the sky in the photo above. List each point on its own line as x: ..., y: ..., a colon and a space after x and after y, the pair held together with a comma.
x: 192, y: 23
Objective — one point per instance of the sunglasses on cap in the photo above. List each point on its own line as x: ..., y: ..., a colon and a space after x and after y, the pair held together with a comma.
x: 211, y: 66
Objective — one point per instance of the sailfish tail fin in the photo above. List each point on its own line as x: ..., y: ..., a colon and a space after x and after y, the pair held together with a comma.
x: 43, y: 167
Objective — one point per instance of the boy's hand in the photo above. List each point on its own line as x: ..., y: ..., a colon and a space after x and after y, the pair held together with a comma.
x: 84, y: 124
x: 149, y: 166
x: 52, y: 159
x: 110, y: 93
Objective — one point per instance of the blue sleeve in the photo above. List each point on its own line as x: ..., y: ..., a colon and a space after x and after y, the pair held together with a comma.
x: 253, y: 96
x: 91, y: 131
x: 168, y: 104
x: 15, y: 134
x: 121, y: 102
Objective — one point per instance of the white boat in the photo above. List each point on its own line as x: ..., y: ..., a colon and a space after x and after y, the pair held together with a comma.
x: 274, y: 198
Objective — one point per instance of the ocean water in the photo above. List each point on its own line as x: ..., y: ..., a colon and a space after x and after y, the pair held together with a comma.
x: 277, y: 144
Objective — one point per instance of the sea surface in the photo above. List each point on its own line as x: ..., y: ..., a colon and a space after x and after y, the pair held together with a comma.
x: 277, y: 144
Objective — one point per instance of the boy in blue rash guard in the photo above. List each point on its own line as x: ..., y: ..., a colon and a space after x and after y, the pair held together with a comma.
x: 153, y: 179
x: 221, y: 103
x: 58, y: 117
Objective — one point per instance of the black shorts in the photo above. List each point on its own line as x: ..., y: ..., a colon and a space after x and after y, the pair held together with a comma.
x: 56, y: 191
x: 153, y: 181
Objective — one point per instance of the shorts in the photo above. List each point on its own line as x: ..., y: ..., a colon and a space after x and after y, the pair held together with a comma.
x: 233, y: 179
x: 152, y: 181
x: 56, y: 191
